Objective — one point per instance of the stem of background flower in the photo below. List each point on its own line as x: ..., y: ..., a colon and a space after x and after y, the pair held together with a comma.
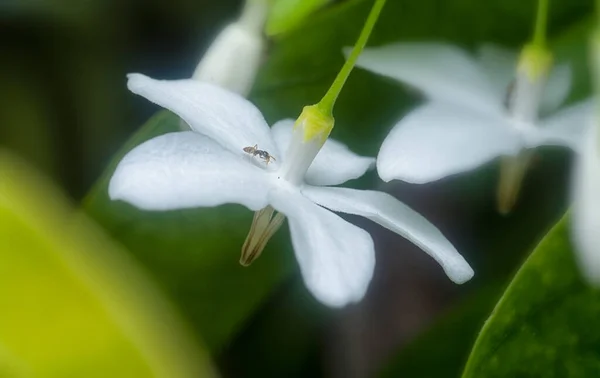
x: 328, y: 101
x: 541, y: 20
x: 595, y: 63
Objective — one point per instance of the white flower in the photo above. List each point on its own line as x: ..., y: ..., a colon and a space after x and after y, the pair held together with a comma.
x: 208, y: 167
x: 586, y: 206
x: 233, y: 59
x: 475, y: 111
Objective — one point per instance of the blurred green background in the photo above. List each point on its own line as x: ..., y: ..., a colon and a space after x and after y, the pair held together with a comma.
x: 65, y: 108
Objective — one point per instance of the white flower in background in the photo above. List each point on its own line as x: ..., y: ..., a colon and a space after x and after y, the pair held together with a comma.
x: 233, y: 59
x: 209, y: 167
x: 586, y: 205
x: 478, y: 108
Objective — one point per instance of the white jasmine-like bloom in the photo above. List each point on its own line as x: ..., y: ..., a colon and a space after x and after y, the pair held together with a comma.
x: 209, y: 167
x: 233, y: 59
x: 586, y: 205
x: 477, y: 109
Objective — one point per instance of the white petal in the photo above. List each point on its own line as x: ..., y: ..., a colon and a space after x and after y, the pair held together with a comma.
x: 438, y: 140
x: 333, y: 165
x: 556, y: 89
x: 586, y: 207
x: 566, y: 127
x: 224, y: 116
x: 500, y: 65
x: 392, y: 214
x: 443, y: 72
x: 184, y: 170
x: 232, y: 60
x: 336, y: 258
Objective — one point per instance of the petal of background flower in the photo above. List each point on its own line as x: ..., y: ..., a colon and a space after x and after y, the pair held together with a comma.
x: 336, y: 258
x: 586, y: 202
x: 565, y: 128
x: 443, y: 72
x: 499, y: 65
x: 184, y: 170
x: 438, y: 140
x: 333, y: 165
x: 224, y: 116
x: 556, y: 89
x: 392, y: 214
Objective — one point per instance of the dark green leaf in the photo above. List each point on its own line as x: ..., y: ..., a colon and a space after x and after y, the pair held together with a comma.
x: 543, y: 324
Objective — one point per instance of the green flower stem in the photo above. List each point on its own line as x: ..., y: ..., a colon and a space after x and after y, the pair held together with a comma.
x: 539, y: 36
x: 328, y: 101
x: 595, y: 66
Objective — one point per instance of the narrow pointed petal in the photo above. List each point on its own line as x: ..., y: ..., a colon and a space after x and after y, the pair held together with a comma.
x: 336, y: 258
x: 183, y: 170
x: 556, y: 89
x: 438, y: 140
x: 333, y: 165
x: 442, y: 72
x: 499, y: 65
x: 392, y: 214
x: 264, y: 225
x: 566, y: 127
x: 512, y: 172
x: 586, y: 206
x: 224, y: 116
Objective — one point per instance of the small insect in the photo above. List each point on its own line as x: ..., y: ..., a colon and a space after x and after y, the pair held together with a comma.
x: 254, y: 151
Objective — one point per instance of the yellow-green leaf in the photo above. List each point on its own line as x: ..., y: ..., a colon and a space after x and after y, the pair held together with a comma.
x: 71, y: 303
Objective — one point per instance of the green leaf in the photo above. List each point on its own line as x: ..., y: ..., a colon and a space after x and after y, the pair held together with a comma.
x: 72, y: 304
x: 543, y: 325
x: 194, y: 253
x: 287, y: 14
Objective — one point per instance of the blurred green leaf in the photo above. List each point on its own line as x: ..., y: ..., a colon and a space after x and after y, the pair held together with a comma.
x: 287, y: 14
x: 28, y: 121
x: 72, y: 304
x: 65, y: 12
x: 194, y: 253
x: 543, y: 324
